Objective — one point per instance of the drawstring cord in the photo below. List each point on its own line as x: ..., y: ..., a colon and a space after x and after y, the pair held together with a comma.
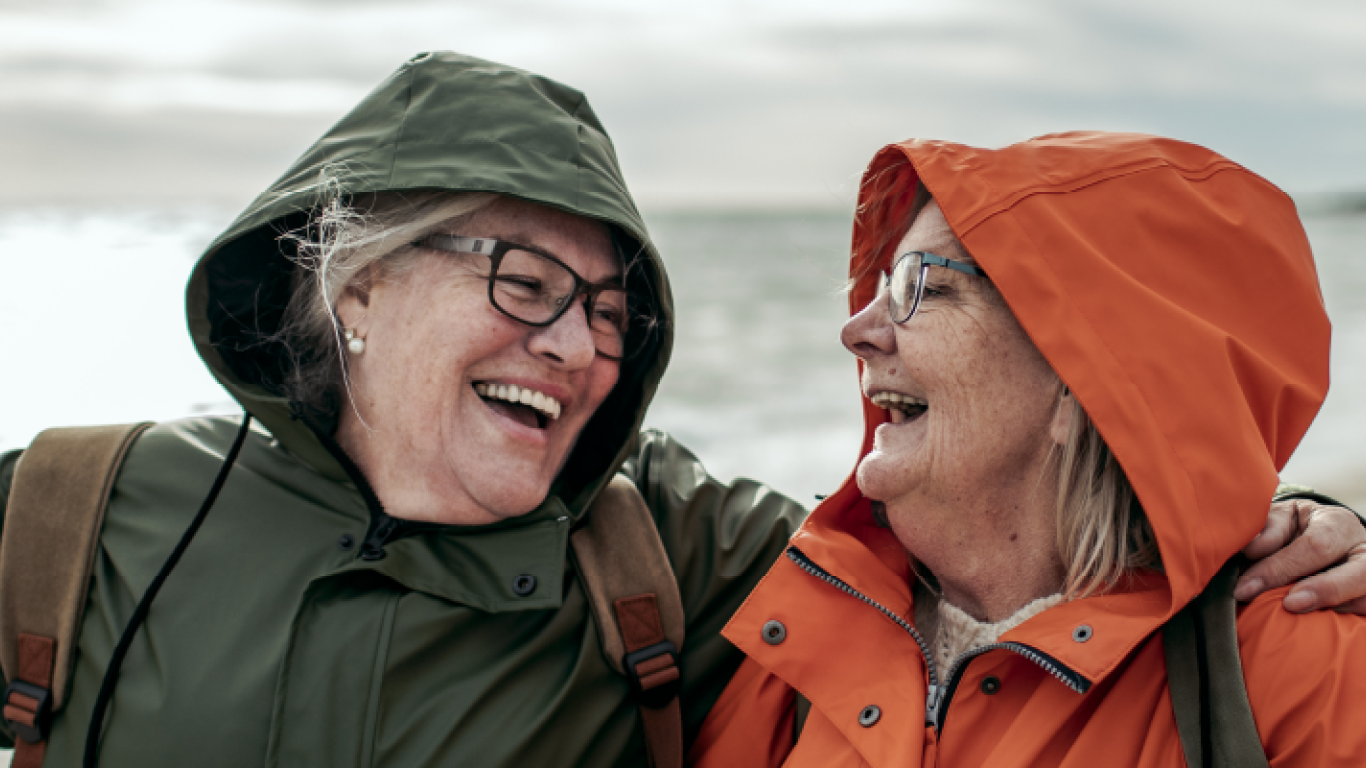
x: 111, y: 674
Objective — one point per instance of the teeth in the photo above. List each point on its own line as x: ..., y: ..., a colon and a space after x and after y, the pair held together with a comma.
x: 895, y: 400
x: 515, y: 394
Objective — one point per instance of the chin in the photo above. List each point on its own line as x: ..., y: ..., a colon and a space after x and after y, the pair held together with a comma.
x: 504, y: 503
x: 872, y: 478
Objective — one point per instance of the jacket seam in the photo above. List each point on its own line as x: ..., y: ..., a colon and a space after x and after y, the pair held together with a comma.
x: 1083, y: 182
x: 370, y: 737
x: 402, y: 124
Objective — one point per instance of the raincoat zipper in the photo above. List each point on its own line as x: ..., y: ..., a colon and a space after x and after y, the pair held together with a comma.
x: 938, y: 697
x: 383, y: 527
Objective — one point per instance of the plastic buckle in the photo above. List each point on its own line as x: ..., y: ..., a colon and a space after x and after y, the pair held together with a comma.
x: 37, y: 731
x: 660, y: 694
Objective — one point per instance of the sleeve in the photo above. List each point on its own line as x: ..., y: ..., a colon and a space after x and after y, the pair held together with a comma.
x: 751, y: 725
x: 721, y: 540
x: 1303, y: 674
x: 8, y: 461
x: 1288, y: 491
x: 7, y: 464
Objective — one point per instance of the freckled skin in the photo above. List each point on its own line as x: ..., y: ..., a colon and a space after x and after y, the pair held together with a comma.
x: 966, y: 485
x: 432, y: 449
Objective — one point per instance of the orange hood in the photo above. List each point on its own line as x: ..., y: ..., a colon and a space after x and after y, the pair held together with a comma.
x: 1171, y: 289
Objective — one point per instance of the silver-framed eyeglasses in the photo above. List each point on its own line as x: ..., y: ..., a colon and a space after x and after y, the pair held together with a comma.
x: 532, y: 286
x: 906, y: 284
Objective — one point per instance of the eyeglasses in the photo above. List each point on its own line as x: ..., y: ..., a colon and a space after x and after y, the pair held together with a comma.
x: 906, y: 284
x: 533, y: 287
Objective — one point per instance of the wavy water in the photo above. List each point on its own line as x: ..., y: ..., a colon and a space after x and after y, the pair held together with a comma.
x: 91, y: 311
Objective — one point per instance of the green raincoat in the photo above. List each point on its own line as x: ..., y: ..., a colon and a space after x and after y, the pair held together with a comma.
x: 273, y: 641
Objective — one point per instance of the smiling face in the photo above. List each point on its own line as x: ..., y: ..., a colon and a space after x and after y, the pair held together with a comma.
x: 972, y: 406
x: 434, y: 427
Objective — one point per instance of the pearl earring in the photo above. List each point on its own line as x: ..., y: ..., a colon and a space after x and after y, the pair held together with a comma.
x: 353, y: 344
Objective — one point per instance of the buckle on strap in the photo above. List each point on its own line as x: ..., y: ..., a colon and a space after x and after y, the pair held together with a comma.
x: 654, y: 675
x: 28, y: 710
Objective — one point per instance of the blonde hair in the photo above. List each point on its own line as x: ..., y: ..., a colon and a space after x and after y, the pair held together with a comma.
x: 346, y: 240
x: 1103, y: 534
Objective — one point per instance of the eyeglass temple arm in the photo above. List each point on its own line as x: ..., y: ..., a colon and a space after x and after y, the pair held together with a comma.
x: 940, y: 261
x: 460, y: 244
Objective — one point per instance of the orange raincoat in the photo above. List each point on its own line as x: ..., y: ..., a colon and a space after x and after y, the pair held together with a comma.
x: 1174, y: 292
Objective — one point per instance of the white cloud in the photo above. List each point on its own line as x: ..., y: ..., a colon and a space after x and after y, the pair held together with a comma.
x: 756, y: 101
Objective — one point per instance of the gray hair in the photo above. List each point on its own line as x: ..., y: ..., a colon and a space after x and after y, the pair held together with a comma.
x: 369, y: 237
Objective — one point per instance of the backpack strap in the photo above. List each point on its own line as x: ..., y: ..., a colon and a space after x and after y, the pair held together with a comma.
x: 801, y: 708
x: 52, y: 529
x: 1205, y: 676
x: 637, y: 609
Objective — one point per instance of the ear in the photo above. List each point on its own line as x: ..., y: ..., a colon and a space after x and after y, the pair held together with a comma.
x: 1063, y: 415
x: 353, y: 307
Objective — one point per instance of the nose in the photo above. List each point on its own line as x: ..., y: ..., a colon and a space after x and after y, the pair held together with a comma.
x: 870, y: 333
x: 567, y: 342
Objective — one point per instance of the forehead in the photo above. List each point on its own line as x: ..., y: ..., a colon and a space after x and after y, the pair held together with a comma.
x: 931, y: 232
x: 582, y: 243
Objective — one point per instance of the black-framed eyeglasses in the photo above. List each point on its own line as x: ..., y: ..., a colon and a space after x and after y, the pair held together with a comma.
x: 533, y: 287
x: 906, y: 283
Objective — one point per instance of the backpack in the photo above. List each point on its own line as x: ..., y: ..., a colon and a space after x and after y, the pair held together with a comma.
x: 1205, y: 676
x: 52, y: 528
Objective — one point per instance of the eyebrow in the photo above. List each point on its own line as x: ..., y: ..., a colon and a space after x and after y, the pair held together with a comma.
x: 524, y: 239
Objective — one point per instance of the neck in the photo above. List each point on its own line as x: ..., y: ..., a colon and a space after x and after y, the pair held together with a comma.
x: 990, y: 556
x: 394, y: 472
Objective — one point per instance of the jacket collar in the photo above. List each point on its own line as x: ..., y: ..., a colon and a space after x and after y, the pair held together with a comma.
x: 878, y: 660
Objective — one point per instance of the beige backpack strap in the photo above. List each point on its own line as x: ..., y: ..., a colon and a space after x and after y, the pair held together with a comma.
x: 637, y: 608
x: 52, y: 530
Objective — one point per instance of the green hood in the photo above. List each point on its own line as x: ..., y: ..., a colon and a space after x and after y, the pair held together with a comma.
x: 442, y: 121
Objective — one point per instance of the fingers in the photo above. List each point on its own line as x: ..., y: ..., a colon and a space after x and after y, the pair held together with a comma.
x: 1342, y: 588
x: 1283, y: 524
x: 1325, y: 535
x: 1357, y: 606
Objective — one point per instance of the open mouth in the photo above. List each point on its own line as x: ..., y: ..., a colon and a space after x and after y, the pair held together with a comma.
x: 902, y: 408
x: 524, y: 406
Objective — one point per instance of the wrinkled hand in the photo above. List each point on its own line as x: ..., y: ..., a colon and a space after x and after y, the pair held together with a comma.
x: 1302, y: 538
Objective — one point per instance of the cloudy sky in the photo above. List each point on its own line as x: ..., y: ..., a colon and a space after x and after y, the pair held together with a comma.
x: 753, y: 103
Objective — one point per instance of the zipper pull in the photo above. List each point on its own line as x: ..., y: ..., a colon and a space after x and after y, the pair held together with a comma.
x: 932, y: 702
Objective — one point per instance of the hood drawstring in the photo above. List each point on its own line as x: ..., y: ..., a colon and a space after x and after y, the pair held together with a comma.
x: 111, y: 673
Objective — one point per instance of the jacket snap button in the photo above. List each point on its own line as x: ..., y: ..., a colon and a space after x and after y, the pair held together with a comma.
x: 870, y: 715
x: 774, y: 632
x: 1082, y: 633
x: 991, y: 684
x: 346, y: 542
x: 524, y: 585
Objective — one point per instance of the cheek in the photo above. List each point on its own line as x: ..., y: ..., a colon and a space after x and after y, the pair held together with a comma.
x: 1011, y: 391
x: 602, y: 377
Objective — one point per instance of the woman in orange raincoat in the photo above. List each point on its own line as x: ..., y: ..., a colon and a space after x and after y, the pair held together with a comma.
x: 1090, y: 358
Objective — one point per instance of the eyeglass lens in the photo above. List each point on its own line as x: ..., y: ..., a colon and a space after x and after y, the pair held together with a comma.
x: 534, y: 289
x: 903, y: 286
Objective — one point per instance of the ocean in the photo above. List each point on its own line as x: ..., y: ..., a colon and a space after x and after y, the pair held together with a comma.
x: 91, y: 311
